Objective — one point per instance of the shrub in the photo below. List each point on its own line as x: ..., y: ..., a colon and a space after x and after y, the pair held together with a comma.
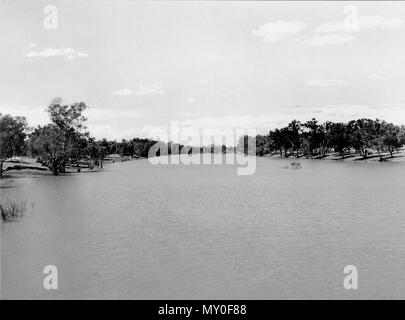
x: 11, y: 210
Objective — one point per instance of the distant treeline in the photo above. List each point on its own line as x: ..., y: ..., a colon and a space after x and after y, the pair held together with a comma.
x: 313, y: 139
x: 65, y: 141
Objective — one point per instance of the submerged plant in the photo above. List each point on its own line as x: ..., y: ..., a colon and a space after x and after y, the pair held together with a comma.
x: 11, y: 210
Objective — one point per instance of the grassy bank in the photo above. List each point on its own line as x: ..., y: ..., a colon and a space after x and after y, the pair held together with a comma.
x: 29, y: 166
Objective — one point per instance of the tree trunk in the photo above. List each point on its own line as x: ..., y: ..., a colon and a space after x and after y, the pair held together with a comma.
x: 62, y: 169
x: 379, y: 154
x: 55, y: 168
x: 365, y: 155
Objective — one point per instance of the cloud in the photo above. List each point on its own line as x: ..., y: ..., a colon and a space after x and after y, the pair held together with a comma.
x: 124, y: 92
x: 322, y: 40
x: 360, y: 24
x: 32, y: 45
x: 142, y: 90
x: 190, y: 100
x: 276, y: 31
x: 151, y: 89
x: 67, y: 53
x: 325, y: 83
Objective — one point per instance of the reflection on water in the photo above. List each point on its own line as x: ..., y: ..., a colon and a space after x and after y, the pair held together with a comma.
x: 137, y: 231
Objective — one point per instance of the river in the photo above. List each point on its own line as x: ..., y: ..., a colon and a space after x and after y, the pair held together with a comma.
x: 141, y: 231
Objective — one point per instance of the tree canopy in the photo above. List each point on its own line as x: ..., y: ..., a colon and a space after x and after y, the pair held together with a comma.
x: 313, y: 139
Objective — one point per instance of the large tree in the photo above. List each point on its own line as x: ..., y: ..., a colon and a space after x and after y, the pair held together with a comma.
x: 337, y: 137
x: 64, y: 139
x: 294, y: 135
x: 391, y: 138
x: 70, y: 120
x: 47, y: 144
x: 361, y: 133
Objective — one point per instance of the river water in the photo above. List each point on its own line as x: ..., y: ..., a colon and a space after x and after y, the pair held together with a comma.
x: 138, y: 231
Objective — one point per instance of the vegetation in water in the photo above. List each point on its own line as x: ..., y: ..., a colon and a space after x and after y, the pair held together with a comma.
x: 11, y: 210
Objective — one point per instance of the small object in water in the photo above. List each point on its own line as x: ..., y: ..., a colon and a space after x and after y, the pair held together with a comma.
x: 295, y: 165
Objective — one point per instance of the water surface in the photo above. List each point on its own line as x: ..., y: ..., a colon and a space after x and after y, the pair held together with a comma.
x: 137, y: 231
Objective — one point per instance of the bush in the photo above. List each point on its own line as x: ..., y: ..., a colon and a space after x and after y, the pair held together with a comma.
x: 11, y: 210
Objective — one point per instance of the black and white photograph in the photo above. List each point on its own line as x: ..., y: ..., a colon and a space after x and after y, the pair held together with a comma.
x: 202, y: 150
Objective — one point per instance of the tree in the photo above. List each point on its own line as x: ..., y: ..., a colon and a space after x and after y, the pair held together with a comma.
x: 294, y: 135
x: 391, y: 138
x: 67, y: 117
x: 262, y: 145
x: 62, y: 140
x: 285, y: 139
x: 70, y: 121
x: 276, y: 140
x: 12, y: 137
x: 361, y: 134
x: 401, y: 136
x: 315, y: 137
x: 48, y: 145
x: 337, y: 138
x: 376, y: 134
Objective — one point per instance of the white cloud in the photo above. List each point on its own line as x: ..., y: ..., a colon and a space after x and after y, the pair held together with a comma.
x: 151, y: 89
x: 190, y: 100
x: 331, y: 27
x: 322, y: 40
x: 32, y: 45
x: 67, y: 53
x: 276, y: 31
x: 324, y: 83
x: 123, y: 92
x: 142, y: 90
x: 341, y: 32
x: 361, y: 24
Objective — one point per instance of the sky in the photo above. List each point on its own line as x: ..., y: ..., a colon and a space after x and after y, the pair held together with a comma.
x: 208, y: 65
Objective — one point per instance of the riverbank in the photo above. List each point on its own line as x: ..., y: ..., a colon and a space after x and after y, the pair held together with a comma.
x: 26, y: 166
x: 397, y: 157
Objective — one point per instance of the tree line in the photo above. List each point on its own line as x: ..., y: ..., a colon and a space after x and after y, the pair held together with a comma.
x: 313, y: 139
x: 66, y: 142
